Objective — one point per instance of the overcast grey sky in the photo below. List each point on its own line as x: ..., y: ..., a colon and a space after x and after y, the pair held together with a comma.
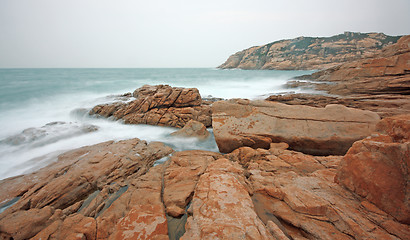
x: 175, y: 33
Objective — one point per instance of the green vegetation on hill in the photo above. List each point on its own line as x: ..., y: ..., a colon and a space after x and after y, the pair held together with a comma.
x: 310, y: 52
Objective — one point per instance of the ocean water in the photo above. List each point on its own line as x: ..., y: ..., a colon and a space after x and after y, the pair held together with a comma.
x: 43, y: 112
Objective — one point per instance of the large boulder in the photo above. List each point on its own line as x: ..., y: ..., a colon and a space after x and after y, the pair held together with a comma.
x: 377, y: 167
x: 318, y: 131
x: 161, y: 105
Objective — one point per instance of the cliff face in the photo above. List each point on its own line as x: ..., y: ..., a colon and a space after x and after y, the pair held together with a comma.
x: 307, y: 53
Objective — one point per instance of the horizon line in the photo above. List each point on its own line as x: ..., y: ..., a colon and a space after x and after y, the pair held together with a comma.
x: 107, y: 67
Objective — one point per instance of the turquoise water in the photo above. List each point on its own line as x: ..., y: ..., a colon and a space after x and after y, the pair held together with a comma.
x: 31, y: 99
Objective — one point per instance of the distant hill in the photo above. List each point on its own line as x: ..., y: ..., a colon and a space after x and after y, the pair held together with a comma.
x: 385, y: 73
x: 308, y: 53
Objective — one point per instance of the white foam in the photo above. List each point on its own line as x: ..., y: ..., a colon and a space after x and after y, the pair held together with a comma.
x: 73, y: 105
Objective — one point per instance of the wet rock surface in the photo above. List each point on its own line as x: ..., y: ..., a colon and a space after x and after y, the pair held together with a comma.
x: 318, y: 131
x: 193, y: 129
x: 161, y: 105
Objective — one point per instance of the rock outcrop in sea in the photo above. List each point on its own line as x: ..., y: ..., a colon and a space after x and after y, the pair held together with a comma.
x: 310, y: 53
x: 160, y: 105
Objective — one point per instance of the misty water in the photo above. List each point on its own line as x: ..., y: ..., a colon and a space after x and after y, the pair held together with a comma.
x: 44, y: 112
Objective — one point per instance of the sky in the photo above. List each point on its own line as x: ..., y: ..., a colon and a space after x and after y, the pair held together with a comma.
x: 174, y: 33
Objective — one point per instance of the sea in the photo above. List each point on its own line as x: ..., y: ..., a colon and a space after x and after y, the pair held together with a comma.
x: 44, y: 112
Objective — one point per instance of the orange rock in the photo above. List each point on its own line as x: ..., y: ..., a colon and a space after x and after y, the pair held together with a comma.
x: 24, y: 224
x: 376, y: 168
x: 244, y: 155
x: 73, y: 227
x: 320, y: 131
x: 397, y: 127
x: 385, y: 105
x: 166, y: 96
x: 276, y: 232
x: 174, y: 117
x: 222, y: 207
x: 296, y: 192
x: 143, y: 222
x: 303, y: 201
x: 161, y: 105
x: 144, y: 195
x: 181, y: 177
x: 193, y: 129
x: 259, y: 194
x: 63, y: 198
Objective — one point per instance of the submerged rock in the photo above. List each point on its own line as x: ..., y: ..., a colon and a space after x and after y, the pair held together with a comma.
x: 161, y: 105
x: 318, y: 131
x: 49, y: 133
x: 193, y: 129
x: 376, y: 168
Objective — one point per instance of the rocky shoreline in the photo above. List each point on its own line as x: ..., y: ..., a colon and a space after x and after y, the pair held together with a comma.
x: 112, y: 191
x: 334, y: 169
